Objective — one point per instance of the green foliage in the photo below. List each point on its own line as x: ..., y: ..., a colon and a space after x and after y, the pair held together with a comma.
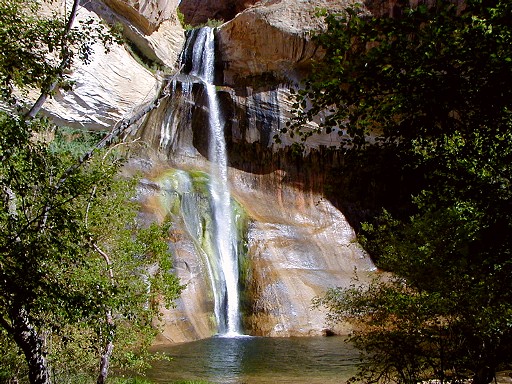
x: 212, y: 23
x: 399, y: 340
x: 434, y: 87
x: 77, y: 271
x: 426, y: 73
x: 74, y: 142
x: 12, y: 362
x: 181, y: 19
x: 51, y: 223
x: 142, y: 59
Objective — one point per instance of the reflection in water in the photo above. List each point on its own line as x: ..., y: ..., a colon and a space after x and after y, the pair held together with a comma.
x: 257, y: 360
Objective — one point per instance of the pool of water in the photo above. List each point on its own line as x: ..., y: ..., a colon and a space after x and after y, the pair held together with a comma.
x: 258, y: 360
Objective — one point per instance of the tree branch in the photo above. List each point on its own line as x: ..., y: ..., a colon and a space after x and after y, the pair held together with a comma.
x: 66, y: 60
x: 108, y: 262
x: 5, y: 324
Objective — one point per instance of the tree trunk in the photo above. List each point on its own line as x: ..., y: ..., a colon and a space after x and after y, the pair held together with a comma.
x: 104, y: 363
x: 65, y: 62
x: 32, y: 345
x: 105, y: 358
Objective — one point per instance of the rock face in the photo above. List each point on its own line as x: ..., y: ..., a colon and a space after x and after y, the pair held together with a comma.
x: 109, y: 88
x: 147, y: 15
x: 265, y: 44
x: 297, y: 243
x: 198, y: 12
x: 164, y: 195
x: 151, y: 26
x: 272, y: 37
x: 114, y: 85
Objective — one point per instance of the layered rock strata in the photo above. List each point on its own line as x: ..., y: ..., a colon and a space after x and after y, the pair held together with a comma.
x: 112, y: 86
x: 147, y: 15
x: 298, y: 243
x: 115, y: 84
x: 151, y: 27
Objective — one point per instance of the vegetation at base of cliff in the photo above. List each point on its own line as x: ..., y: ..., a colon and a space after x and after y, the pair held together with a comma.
x: 432, y: 87
x: 80, y: 280
x: 75, y: 142
x: 181, y: 19
x: 212, y: 23
x: 150, y: 64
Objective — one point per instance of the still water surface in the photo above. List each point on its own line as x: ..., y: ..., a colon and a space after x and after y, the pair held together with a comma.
x: 258, y: 360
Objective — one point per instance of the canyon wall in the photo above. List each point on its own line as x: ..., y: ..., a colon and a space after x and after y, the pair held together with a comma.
x: 119, y: 81
x: 296, y: 239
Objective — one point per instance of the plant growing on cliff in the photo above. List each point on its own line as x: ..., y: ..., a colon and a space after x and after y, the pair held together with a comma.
x: 434, y: 87
x: 76, y: 271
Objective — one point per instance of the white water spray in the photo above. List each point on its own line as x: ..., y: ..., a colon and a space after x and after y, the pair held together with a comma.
x: 227, y: 305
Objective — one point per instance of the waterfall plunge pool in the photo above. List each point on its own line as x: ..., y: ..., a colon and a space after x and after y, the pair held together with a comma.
x: 258, y: 360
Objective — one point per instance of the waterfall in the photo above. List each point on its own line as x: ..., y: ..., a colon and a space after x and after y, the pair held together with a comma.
x: 227, y: 306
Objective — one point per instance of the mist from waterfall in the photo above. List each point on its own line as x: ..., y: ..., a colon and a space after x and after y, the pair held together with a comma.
x: 227, y: 302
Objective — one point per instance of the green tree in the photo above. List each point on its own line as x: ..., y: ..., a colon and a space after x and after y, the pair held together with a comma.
x: 76, y: 270
x: 432, y: 86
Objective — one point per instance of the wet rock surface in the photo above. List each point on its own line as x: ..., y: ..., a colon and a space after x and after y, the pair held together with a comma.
x: 298, y: 242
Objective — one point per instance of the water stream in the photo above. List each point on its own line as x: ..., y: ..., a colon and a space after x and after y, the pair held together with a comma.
x: 225, y: 288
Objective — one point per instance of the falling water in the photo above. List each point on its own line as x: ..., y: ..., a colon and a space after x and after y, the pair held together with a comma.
x: 227, y: 299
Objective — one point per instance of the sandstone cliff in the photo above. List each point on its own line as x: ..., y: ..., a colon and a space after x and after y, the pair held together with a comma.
x: 115, y: 84
x: 151, y: 26
x: 298, y: 242
x: 272, y: 37
x: 109, y: 88
x: 147, y: 15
